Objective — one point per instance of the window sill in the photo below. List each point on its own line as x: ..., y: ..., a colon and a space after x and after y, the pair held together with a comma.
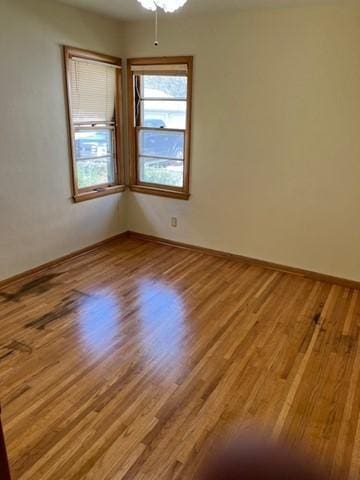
x: 162, y: 192
x: 82, y: 197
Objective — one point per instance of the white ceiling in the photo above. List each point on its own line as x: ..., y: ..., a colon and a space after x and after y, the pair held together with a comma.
x: 132, y: 10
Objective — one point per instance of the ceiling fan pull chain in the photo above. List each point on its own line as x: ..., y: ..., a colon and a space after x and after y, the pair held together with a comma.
x: 156, y: 43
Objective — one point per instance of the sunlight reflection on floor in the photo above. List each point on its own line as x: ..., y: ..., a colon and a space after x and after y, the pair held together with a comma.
x: 98, y: 323
x: 162, y: 325
x: 160, y: 331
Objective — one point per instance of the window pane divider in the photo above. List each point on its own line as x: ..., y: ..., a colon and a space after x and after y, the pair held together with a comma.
x: 94, y: 125
x: 162, y: 99
x: 173, y: 159
x: 79, y: 159
x: 152, y: 129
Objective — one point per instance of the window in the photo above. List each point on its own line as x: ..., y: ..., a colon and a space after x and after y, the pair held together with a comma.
x: 94, y: 89
x: 160, y: 115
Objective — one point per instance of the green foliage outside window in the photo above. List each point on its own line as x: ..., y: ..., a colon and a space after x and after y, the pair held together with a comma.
x: 90, y: 172
x: 162, y: 176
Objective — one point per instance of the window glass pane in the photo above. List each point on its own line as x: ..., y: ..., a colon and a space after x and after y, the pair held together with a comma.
x: 163, y: 114
x: 164, y: 86
x: 93, y: 143
x: 162, y: 171
x: 155, y: 143
x: 95, y: 172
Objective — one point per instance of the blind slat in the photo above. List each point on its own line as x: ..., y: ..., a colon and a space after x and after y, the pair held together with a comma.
x: 93, y: 91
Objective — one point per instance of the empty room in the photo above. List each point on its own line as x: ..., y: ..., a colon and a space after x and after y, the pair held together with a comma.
x: 179, y: 240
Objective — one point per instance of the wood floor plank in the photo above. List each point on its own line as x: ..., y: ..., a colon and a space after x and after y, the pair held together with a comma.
x: 134, y: 359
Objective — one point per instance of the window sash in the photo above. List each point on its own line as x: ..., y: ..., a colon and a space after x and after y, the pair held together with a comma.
x: 111, y: 155
x: 141, y: 154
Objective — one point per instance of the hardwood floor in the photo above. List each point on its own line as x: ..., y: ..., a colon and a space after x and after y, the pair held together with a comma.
x: 131, y: 361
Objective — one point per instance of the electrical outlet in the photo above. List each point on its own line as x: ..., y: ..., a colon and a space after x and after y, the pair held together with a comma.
x: 174, y: 222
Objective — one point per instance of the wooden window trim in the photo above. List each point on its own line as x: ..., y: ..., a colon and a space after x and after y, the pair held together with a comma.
x: 80, y: 195
x: 153, y: 189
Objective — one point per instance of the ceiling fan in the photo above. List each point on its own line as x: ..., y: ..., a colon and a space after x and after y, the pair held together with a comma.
x: 168, y: 6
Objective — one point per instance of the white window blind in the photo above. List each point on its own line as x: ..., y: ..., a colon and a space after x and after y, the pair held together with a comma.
x: 183, y: 69
x: 93, y: 92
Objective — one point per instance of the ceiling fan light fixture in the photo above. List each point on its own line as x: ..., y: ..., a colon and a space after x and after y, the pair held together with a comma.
x: 168, y: 6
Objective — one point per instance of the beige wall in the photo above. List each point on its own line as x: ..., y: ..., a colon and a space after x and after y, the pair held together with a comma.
x: 38, y: 221
x: 276, y: 136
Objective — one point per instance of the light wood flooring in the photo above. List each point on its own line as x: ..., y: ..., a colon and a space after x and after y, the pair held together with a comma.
x: 133, y: 360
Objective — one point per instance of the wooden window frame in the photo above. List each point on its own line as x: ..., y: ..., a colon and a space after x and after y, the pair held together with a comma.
x: 136, y: 185
x: 82, y: 194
